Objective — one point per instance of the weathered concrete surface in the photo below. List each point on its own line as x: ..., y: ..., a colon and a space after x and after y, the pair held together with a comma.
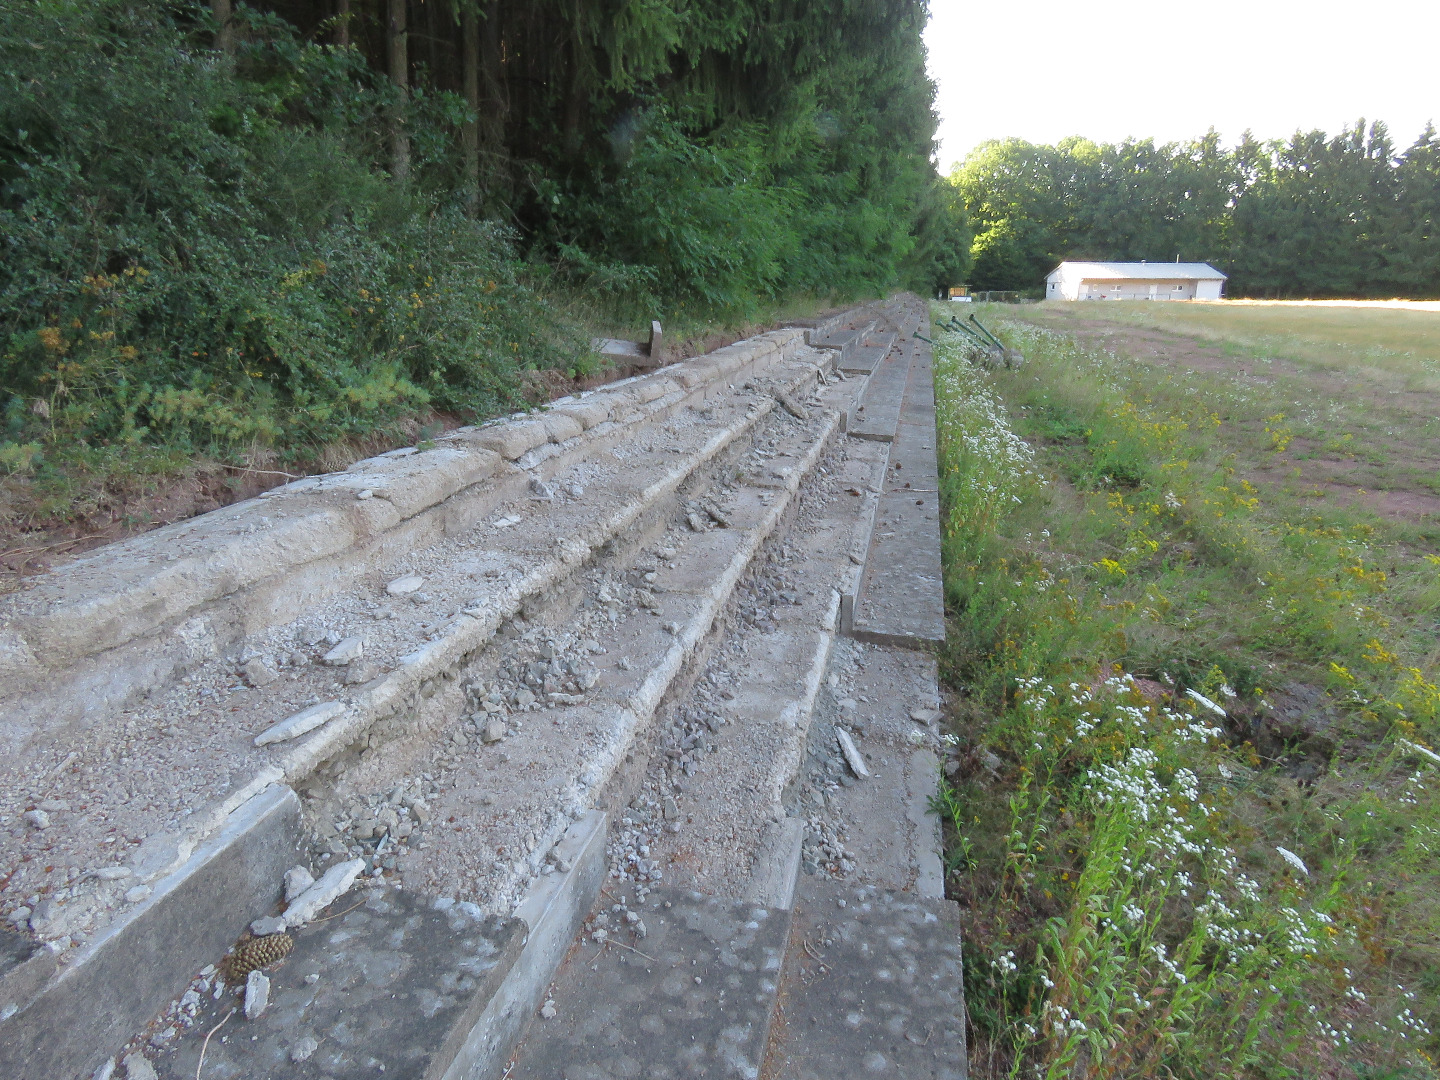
x: 132, y: 616
x: 117, y: 983
x: 25, y: 967
x: 871, y: 989
x: 552, y: 913
x: 901, y: 599
x: 692, y: 998
x: 390, y: 985
x: 878, y: 415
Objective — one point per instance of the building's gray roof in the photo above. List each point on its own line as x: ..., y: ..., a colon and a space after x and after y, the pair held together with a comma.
x: 1163, y: 271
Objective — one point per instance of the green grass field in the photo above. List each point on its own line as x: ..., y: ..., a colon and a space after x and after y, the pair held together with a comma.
x: 1401, y: 338
x: 1193, y: 584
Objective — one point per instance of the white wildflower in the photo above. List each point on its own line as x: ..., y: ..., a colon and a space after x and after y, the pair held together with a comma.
x: 1293, y: 859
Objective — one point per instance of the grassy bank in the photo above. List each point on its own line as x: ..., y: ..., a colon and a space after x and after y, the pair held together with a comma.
x: 1191, y: 812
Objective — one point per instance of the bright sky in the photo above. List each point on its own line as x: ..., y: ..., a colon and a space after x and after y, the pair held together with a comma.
x: 1043, y: 69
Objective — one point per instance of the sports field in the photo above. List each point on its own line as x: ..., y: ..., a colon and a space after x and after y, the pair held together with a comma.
x: 1193, y: 584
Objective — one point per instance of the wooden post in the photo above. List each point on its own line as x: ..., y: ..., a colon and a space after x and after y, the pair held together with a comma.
x: 470, y: 131
x: 398, y: 57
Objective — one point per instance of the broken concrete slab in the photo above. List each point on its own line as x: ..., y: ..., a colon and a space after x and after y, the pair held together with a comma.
x: 113, y: 987
x: 693, y: 997
x: 393, y: 982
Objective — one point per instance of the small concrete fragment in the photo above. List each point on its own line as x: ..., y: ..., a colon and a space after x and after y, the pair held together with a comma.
x: 347, y: 651
x: 138, y: 1067
x: 303, y: 1049
x: 495, y: 730
x: 852, y: 754
x: 404, y: 586
x: 333, y: 884
x: 258, y: 673
x: 257, y: 994
x: 270, y: 924
x: 304, y: 721
x: 297, y: 880
x: 36, y: 819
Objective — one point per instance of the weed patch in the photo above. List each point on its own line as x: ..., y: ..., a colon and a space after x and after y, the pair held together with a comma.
x: 1190, y: 810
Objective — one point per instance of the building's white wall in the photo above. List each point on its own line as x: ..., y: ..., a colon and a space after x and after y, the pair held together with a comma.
x: 1136, y: 289
x: 1066, y: 283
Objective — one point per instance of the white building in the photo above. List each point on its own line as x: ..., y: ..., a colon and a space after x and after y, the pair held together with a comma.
x: 1134, y: 281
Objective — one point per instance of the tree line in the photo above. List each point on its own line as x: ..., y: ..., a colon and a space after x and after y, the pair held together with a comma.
x: 281, y: 223
x: 1309, y: 216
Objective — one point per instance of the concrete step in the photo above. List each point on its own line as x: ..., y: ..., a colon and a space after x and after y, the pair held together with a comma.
x: 865, y: 356
x: 797, y: 770
x: 872, y: 987
x: 392, y: 981
x: 901, y: 596
x: 844, y: 342
x: 525, y: 561
x: 878, y: 415
x: 690, y: 997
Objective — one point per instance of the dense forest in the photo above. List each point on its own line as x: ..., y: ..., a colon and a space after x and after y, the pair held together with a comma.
x: 1311, y: 216
x: 230, y: 229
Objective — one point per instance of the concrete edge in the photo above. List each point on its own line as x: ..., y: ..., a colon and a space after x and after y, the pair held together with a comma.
x: 553, y: 910
x: 926, y: 845
x: 777, y: 865
x: 121, y: 980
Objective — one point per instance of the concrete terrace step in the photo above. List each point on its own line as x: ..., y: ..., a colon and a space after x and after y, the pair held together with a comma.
x: 878, y: 414
x: 528, y: 545
x: 845, y: 343
x: 690, y: 997
x: 872, y: 987
x: 867, y: 355
x: 393, y: 981
x: 901, y: 595
x: 397, y: 983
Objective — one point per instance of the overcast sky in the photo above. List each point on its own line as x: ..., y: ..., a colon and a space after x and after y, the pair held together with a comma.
x: 1041, y: 69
